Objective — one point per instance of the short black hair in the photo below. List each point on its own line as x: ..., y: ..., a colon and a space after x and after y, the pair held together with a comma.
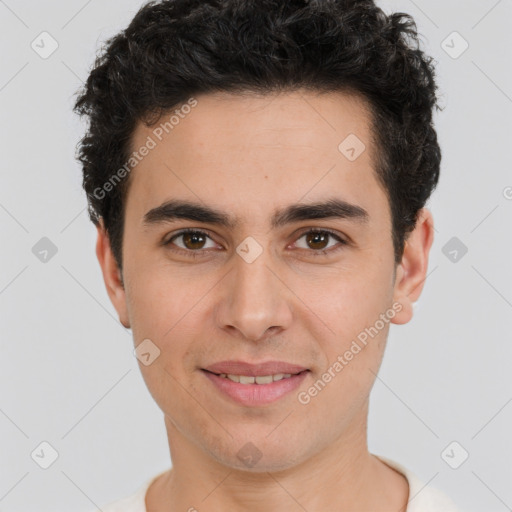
x: 174, y: 49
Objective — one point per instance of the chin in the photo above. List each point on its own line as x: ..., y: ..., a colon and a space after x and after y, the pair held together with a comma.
x: 261, y: 455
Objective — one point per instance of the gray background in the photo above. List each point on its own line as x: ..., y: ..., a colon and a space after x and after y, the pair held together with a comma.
x: 67, y: 371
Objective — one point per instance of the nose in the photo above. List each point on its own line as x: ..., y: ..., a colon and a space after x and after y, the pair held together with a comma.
x: 254, y: 299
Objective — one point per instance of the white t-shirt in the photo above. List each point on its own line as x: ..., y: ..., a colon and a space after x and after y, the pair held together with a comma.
x: 421, y: 498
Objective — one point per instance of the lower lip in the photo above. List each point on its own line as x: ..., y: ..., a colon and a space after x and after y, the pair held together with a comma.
x: 256, y: 394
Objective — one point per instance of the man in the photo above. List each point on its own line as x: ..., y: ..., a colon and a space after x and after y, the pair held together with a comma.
x: 257, y: 172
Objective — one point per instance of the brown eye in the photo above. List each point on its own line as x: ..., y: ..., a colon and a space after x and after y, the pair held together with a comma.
x: 192, y: 241
x: 317, y: 241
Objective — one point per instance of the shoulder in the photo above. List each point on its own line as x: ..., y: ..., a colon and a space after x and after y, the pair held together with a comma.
x: 422, y: 497
x: 135, y: 502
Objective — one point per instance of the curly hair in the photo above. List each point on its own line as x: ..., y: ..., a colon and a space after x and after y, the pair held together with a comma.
x: 173, y: 49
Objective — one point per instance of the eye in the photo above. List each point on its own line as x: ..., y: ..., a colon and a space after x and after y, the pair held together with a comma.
x: 316, y: 240
x: 192, y: 241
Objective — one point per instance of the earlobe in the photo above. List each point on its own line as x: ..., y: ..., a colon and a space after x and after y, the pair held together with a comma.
x: 111, y: 274
x: 412, y: 270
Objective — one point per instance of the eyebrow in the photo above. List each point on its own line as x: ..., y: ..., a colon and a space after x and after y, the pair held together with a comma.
x: 181, y: 209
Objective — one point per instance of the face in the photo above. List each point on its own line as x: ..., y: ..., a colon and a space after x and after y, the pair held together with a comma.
x: 246, y: 279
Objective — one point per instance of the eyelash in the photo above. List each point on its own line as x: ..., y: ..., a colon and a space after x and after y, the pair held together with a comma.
x: 200, y: 252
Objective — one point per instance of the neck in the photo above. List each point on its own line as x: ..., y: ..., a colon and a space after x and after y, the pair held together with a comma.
x: 344, y: 476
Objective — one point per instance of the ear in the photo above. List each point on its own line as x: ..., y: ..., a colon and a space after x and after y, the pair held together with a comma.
x: 412, y: 270
x: 111, y: 274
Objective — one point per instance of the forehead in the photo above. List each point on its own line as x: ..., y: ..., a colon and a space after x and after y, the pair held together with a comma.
x: 257, y: 151
x: 249, y: 120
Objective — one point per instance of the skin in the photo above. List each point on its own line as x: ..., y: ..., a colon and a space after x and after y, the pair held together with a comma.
x: 248, y: 155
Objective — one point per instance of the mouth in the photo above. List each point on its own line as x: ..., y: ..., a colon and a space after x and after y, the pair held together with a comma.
x: 256, y: 379
x: 255, y: 390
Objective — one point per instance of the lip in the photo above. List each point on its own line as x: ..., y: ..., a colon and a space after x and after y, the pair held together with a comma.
x: 254, y: 370
x: 254, y: 395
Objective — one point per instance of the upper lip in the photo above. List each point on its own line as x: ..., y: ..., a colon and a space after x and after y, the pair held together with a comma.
x: 254, y: 370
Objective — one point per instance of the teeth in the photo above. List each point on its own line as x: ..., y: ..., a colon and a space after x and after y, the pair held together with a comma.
x: 260, y: 379
x: 263, y: 379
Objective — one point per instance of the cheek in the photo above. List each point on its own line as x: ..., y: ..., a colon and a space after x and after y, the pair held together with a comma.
x: 164, y: 308
x: 353, y: 356
x: 348, y: 300
x: 158, y: 297
x: 356, y: 308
